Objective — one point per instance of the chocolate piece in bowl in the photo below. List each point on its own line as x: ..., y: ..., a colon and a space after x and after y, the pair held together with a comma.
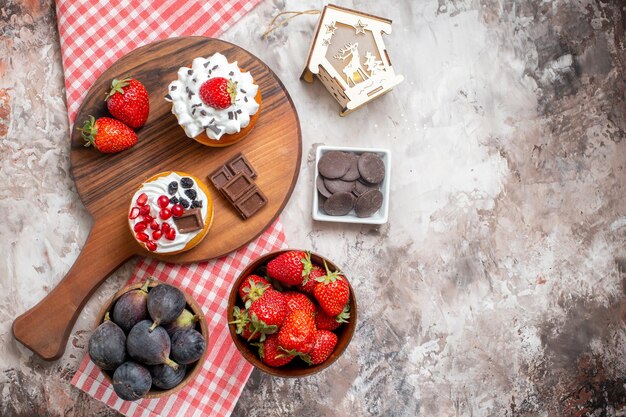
x: 353, y: 171
x: 360, y: 187
x: 321, y: 187
x: 368, y: 203
x: 371, y: 167
x: 339, y: 204
x: 334, y: 164
x: 339, y: 186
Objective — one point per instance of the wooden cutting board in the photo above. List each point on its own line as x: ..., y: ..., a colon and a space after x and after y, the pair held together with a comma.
x: 106, y: 183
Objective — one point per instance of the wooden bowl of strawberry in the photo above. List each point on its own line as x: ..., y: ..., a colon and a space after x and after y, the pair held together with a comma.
x: 291, y: 313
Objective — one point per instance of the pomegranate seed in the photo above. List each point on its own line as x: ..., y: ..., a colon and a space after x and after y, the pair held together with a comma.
x: 154, y: 225
x: 163, y: 201
x: 142, y: 237
x: 151, y: 246
x: 139, y: 227
x: 165, y: 227
x: 170, y: 234
x: 156, y: 235
x: 134, y: 213
x: 165, y: 213
x: 144, y: 210
x: 148, y: 218
x: 177, y: 210
x: 142, y: 199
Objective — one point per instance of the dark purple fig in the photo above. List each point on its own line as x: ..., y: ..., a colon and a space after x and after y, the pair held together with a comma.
x: 131, y: 381
x: 165, y: 303
x: 149, y: 347
x: 131, y: 308
x: 186, y: 320
x: 166, y: 377
x: 107, y: 345
x: 187, y: 346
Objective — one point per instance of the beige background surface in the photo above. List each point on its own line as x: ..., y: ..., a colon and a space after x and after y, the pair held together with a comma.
x: 495, y: 288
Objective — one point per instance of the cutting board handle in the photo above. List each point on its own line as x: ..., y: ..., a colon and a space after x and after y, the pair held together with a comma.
x: 45, y: 328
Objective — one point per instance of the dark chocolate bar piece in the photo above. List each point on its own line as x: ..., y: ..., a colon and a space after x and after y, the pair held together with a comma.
x: 189, y: 221
x: 237, y: 186
x: 220, y: 177
x: 240, y: 163
x: 253, y: 201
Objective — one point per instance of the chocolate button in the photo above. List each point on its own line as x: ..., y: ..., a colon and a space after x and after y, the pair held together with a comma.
x: 353, y: 171
x: 333, y: 164
x: 368, y: 203
x: 339, y: 204
x: 339, y: 186
x: 321, y: 187
x: 371, y: 168
x: 360, y: 188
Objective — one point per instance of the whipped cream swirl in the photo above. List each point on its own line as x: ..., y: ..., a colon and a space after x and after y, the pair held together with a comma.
x: 194, y: 115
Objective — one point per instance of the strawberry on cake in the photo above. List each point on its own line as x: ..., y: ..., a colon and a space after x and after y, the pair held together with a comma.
x: 215, y: 102
x: 170, y: 213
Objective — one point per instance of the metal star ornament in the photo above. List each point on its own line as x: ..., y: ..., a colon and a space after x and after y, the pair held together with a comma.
x: 360, y: 27
x: 326, y: 42
x: 331, y: 28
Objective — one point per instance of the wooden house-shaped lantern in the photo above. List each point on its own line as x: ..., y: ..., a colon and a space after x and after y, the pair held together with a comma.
x: 349, y: 57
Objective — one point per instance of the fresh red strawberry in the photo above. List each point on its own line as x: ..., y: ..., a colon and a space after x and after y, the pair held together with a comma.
x: 298, y: 332
x: 218, y: 93
x: 309, y: 282
x: 325, y: 322
x: 128, y: 102
x: 325, y: 342
x: 268, y: 312
x: 290, y: 267
x: 271, y: 354
x: 252, y: 288
x: 298, y: 301
x: 108, y: 135
x: 244, y: 325
x: 332, y: 292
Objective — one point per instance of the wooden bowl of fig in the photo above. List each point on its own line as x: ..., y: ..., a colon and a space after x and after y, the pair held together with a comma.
x: 192, y: 370
x: 296, y: 368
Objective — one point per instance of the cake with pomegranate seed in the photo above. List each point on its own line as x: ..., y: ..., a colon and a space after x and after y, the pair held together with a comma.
x: 214, y: 101
x: 170, y: 213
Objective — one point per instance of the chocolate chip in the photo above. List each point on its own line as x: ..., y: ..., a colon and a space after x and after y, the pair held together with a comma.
x: 206, y: 64
x: 196, y: 204
x: 338, y: 186
x: 190, y: 72
x: 173, y: 88
x: 231, y: 73
x: 202, y: 112
x: 339, y: 204
x: 214, y: 68
x: 333, y: 164
x: 371, y: 168
x: 368, y: 203
x: 184, y: 203
x: 192, y: 194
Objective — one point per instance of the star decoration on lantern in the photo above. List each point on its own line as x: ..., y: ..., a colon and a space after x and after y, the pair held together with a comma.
x: 326, y: 42
x: 360, y: 27
x: 331, y: 28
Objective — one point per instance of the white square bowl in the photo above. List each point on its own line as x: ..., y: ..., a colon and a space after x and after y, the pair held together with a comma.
x: 381, y: 216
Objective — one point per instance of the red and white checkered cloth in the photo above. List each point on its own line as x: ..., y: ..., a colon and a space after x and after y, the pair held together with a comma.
x: 94, y: 34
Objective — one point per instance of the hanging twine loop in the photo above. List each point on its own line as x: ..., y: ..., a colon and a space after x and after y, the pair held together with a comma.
x: 275, y: 25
